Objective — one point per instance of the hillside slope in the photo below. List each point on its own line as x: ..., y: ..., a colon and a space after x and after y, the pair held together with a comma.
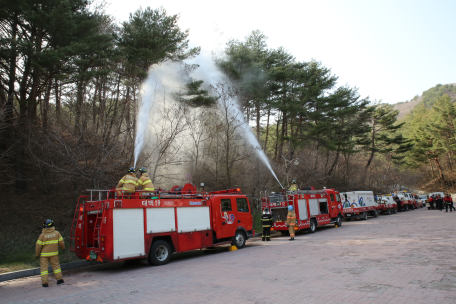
x: 428, y: 97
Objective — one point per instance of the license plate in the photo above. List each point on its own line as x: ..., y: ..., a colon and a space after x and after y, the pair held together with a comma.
x: 348, y: 214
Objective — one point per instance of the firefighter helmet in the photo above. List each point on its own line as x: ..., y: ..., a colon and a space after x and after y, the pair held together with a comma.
x: 290, y: 208
x: 143, y: 170
x: 265, y: 211
x: 131, y: 170
x: 294, y: 182
x: 48, y: 224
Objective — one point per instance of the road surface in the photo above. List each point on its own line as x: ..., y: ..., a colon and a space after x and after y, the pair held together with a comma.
x: 401, y: 258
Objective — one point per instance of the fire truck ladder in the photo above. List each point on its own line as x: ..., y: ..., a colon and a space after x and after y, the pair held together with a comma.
x: 98, y: 225
x: 74, y: 225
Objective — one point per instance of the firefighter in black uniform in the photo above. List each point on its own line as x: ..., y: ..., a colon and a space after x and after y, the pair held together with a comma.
x: 266, y: 222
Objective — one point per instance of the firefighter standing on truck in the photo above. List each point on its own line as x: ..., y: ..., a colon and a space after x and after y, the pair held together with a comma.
x: 266, y: 222
x: 128, y: 183
x: 294, y: 186
x: 291, y: 222
x: 145, y: 181
x: 47, y: 249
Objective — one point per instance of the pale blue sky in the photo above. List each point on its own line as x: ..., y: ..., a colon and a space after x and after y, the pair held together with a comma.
x: 390, y: 50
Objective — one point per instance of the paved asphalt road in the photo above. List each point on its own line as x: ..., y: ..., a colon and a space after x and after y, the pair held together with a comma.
x: 403, y: 258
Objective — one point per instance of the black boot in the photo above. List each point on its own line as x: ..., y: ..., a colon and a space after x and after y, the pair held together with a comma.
x: 268, y: 239
x: 263, y: 239
x: 60, y: 281
x: 45, y: 285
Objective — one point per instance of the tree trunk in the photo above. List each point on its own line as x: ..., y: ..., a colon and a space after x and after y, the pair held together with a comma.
x: 267, y: 131
x: 45, y: 105
x: 57, y: 100
x: 12, y: 73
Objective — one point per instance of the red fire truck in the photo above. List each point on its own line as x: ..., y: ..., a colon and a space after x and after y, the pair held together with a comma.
x: 313, y: 208
x: 109, y: 226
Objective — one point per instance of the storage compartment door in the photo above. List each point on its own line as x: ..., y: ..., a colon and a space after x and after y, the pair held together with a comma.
x: 323, y: 206
x: 128, y: 228
x: 160, y: 220
x: 313, y: 206
x: 302, y: 209
x: 193, y: 219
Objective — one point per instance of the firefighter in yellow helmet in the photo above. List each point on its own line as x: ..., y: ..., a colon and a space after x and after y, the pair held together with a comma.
x: 128, y: 183
x: 291, y: 222
x: 145, y: 181
x: 294, y: 186
x: 47, y: 250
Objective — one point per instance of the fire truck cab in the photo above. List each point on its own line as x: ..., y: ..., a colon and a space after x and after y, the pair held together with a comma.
x: 386, y: 204
x: 313, y: 208
x: 108, y: 226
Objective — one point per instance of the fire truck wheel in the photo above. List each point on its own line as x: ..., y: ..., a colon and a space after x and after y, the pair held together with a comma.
x: 338, y: 221
x: 160, y: 253
x: 394, y: 210
x: 388, y: 211
x: 406, y: 208
x: 313, y: 226
x: 364, y: 216
x: 375, y: 213
x: 239, y: 239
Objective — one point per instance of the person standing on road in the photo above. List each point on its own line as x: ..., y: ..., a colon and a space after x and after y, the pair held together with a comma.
x: 47, y: 250
x: 266, y: 222
x: 448, y: 203
x: 439, y: 202
x: 431, y: 201
x: 291, y: 222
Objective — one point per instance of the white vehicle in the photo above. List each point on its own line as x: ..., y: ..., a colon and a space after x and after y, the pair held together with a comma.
x: 386, y: 204
x: 436, y: 194
x: 359, y: 204
x: 423, y: 198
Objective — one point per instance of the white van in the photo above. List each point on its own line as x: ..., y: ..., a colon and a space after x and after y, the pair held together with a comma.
x: 359, y: 204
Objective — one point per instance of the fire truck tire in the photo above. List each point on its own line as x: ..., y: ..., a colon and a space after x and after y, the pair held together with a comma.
x: 429, y: 208
x: 239, y: 239
x: 364, y: 216
x: 160, y: 253
x: 375, y: 213
x: 338, y: 221
x: 388, y: 211
x: 406, y: 208
x: 394, y: 210
x: 313, y: 226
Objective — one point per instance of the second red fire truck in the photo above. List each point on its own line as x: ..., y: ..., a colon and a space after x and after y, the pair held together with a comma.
x: 313, y: 208
x: 108, y: 226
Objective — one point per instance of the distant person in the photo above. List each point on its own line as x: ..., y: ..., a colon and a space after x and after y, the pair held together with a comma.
x: 145, y: 181
x: 294, y: 186
x: 128, y: 183
x: 431, y: 202
x: 439, y: 202
x: 47, y: 250
x: 291, y: 222
x: 447, y: 202
x: 266, y: 223
x: 398, y: 202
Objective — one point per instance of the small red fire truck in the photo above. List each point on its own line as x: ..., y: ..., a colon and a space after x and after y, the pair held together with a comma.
x: 313, y: 208
x: 110, y: 226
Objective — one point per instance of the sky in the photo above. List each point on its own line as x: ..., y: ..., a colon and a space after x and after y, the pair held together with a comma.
x: 389, y: 50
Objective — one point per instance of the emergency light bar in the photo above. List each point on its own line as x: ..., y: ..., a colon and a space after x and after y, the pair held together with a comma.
x: 229, y: 191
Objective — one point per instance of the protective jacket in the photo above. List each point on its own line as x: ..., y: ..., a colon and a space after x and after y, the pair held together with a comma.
x: 266, y: 220
x: 293, y: 187
x: 129, y: 182
x: 48, y: 242
x: 291, y: 218
x: 447, y: 200
x: 146, y: 182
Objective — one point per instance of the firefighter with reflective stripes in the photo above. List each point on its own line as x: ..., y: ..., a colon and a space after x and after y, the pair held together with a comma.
x: 47, y: 249
x: 266, y: 222
x: 291, y: 222
x: 294, y: 186
x: 128, y: 183
x: 145, y: 181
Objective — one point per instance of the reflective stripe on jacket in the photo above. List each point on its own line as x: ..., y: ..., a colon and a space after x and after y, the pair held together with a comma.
x: 291, y: 218
x: 293, y: 187
x: 266, y: 220
x: 48, y: 243
x: 146, y: 182
x: 129, y: 182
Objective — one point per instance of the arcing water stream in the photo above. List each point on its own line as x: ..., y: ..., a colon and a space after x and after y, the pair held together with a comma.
x: 161, y: 77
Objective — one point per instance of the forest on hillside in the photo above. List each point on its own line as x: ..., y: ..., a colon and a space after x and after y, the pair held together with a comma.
x: 70, y: 92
